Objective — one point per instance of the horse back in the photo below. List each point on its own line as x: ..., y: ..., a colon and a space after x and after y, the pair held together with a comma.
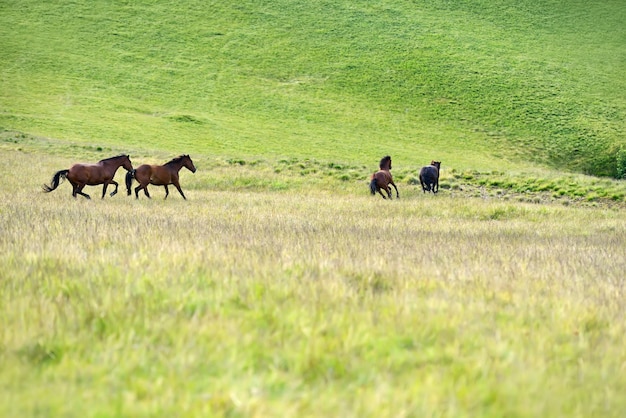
x: 385, y: 174
x: 429, y: 173
x: 155, y: 174
x: 383, y: 177
x: 143, y: 173
x: 85, y: 173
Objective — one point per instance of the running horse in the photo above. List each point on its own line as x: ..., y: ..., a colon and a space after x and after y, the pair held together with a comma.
x: 382, y: 179
x: 81, y: 175
x: 429, y: 177
x: 159, y: 175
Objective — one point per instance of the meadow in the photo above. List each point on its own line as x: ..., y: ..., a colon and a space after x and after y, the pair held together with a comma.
x: 505, y: 85
x: 281, y: 287
x: 321, y: 301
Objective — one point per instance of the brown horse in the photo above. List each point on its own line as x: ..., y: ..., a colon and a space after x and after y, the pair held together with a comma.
x: 429, y: 177
x: 382, y: 179
x: 159, y: 175
x: 81, y: 175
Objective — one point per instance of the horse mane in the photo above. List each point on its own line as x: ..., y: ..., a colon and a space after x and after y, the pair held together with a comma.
x: 384, y: 161
x: 177, y: 159
x: 114, y: 158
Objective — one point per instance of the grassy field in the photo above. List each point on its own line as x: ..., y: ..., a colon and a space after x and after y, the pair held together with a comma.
x: 281, y: 287
x: 478, y: 85
x: 320, y: 302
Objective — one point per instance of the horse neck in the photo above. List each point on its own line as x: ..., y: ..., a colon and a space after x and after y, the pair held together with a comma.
x: 175, y: 165
x: 113, y: 163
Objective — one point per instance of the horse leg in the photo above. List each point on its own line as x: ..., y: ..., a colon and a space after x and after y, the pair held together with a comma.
x: 380, y: 190
x: 394, y: 186
x: 167, y: 191
x: 436, y: 184
x: 143, y: 186
x: 145, y: 191
x: 104, y: 188
x: 177, y: 185
x: 78, y: 189
x: 114, y: 191
x: 180, y: 191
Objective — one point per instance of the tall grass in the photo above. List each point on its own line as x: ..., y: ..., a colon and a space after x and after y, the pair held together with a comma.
x: 280, y: 287
x: 304, y: 303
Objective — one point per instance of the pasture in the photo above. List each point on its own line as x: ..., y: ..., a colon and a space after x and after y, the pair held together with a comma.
x: 322, y: 301
x: 280, y: 286
x: 481, y: 85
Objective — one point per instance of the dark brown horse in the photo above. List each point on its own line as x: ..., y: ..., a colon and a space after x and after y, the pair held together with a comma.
x: 159, y: 175
x: 81, y: 175
x: 429, y: 177
x: 382, y: 179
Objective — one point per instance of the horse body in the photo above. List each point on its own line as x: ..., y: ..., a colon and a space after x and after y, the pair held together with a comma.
x: 429, y: 177
x: 383, y: 178
x: 159, y: 175
x: 81, y: 175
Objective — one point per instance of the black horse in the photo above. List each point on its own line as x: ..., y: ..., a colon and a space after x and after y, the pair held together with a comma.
x: 382, y: 179
x: 429, y: 177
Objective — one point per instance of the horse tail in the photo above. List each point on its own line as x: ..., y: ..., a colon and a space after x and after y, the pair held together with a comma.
x: 56, y: 180
x: 373, y: 185
x: 129, y: 181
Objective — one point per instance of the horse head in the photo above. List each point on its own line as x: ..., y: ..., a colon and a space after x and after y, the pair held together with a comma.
x: 188, y: 163
x: 385, y: 163
x: 128, y: 166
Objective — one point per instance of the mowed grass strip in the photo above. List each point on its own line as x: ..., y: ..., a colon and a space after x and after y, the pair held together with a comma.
x: 266, y: 303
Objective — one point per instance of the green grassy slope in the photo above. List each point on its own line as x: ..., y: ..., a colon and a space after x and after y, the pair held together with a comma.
x: 482, y: 84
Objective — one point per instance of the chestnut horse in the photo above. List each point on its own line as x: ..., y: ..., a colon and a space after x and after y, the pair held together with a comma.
x: 382, y: 179
x: 159, y: 175
x: 81, y: 175
x: 429, y: 177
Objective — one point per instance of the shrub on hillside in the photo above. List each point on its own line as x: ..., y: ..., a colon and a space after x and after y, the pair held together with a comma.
x: 621, y: 163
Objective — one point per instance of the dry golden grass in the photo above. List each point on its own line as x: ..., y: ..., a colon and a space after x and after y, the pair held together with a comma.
x: 305, y: 302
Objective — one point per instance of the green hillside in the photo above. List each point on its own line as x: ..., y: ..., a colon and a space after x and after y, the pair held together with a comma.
x: 479, y: 84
